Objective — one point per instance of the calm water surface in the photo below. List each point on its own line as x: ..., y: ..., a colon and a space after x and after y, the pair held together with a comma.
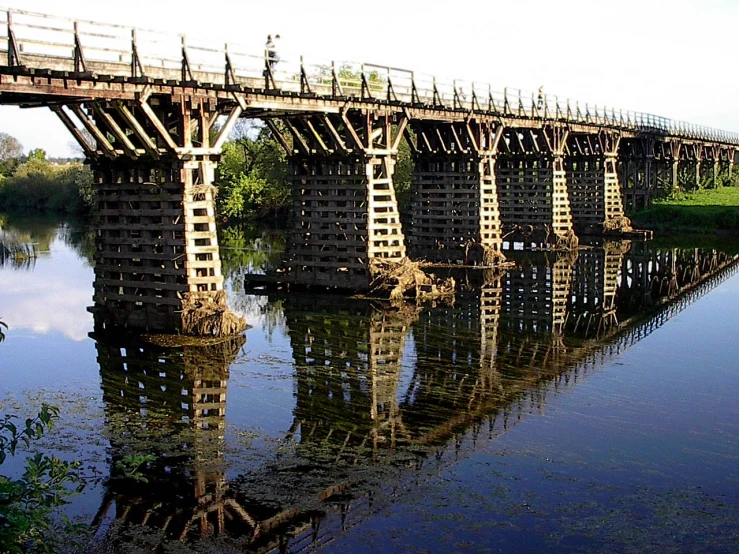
x: 575, y: 404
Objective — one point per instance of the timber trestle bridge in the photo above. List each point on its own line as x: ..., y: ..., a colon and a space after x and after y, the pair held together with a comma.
x: 153, y: 111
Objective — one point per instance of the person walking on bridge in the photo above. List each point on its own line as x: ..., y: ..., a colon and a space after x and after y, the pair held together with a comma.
x: 269, y: 52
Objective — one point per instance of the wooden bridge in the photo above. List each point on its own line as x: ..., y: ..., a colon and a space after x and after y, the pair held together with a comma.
x: 152, y: 112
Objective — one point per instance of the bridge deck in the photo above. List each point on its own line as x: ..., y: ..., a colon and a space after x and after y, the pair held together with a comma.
x: 43, y: 56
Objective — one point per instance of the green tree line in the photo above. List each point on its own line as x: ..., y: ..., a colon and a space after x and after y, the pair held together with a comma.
x: 36, y: 185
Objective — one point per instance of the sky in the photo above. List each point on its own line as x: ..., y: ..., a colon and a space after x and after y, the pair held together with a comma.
x: 670, y: 58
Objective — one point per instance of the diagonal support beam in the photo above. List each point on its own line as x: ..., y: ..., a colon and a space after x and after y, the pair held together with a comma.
x: 114, y: 128
x: 79, y: 135
x: 312, y: 130
x: 352, y: 132
x: 399, y: 133
x: 138, y: 130
x: 442, y: 142
x: 410, y: 141
x: 297, y: 138
x: 338, y: 141
x: 226, y: 129
x: 100, y: 138
x: 158, y: 126
x: 472, y: 137
x: 279, y: 136
x: 456, y: 138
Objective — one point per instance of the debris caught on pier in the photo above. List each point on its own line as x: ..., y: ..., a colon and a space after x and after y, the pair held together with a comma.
x: 618, y: 224
x: 481, y: 255
x: 205, y: 314
x: 405, y: 278
x: 564, y: 241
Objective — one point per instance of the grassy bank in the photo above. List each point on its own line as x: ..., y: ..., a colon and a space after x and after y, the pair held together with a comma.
x: 706, y: 212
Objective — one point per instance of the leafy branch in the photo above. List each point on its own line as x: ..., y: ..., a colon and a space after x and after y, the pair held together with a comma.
x: 27, y: 504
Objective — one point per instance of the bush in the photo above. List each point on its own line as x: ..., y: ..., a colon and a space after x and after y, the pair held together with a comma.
x: 28, y: 504
x: 252, y: 179
x: 38, y: 186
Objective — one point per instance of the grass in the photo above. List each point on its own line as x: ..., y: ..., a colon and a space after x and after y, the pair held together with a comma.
x: 707, y: 211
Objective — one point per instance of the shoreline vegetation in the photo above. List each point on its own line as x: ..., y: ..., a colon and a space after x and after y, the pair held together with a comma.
x: 253, y: 185
x: 701, y: 212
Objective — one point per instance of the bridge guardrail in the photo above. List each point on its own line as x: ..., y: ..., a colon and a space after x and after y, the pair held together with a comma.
x: 93, y: 47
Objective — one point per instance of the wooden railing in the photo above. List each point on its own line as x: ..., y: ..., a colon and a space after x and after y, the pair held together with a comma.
x: 48, y: 42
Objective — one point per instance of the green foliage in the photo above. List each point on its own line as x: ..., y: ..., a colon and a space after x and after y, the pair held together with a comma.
x: 130, y: 466
x: 28, y: 504
x: 699, y: 211
x: 38, y: 186
x: 252, y: 177
x: 37, y: 154
x: 402, y: 177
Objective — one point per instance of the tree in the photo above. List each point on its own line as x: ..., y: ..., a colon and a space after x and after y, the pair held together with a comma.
x: 11, y: 152
x: 10, y: 148
x: 252, y: 175
x: 37, y: 154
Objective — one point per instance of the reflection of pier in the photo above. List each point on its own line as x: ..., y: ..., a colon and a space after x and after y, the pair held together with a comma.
x: 592, y: 304
x: 649, y: 276
x: 348, y: 364
x: 168, y: 402
x: 385, y: 397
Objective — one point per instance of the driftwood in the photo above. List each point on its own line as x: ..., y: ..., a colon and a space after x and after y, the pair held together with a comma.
x: 405, y: 278
x: 206, y: 314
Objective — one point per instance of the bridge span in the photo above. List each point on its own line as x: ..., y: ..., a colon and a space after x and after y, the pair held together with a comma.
x: 152, y: 112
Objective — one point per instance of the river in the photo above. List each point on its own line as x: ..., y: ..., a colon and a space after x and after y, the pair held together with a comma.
x: 576, y: 403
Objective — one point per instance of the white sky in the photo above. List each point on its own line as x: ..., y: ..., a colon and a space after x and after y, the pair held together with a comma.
x: 671, y: 58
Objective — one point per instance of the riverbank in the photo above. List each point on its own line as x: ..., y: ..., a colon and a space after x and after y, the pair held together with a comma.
x: 714, y: 211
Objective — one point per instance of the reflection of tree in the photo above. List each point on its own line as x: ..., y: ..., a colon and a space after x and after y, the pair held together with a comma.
x: 79, y: 236
x: 249, y: 249
x: 20, y: 234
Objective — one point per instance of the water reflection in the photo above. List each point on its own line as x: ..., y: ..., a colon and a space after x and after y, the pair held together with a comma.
x: 383, y: 396
x: 168, y: 402
x: 44, y: 292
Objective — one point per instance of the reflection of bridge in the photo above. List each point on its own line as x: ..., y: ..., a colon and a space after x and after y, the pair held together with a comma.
x: 383, y: 396
x: 144, y: 106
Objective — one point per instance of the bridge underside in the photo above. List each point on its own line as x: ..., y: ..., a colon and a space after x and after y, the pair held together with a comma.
x: 476, y: 186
